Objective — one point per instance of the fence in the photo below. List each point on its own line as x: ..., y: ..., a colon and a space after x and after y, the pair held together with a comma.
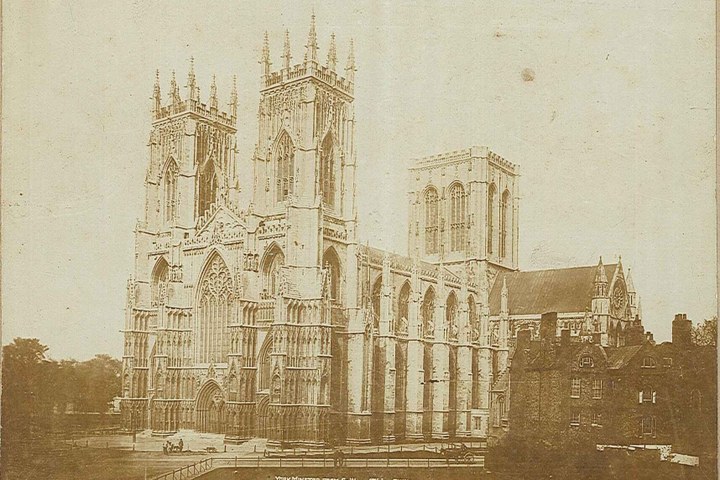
x: 187, y: 472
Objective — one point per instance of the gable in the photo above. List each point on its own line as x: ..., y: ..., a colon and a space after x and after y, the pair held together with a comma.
x: 223, y: 226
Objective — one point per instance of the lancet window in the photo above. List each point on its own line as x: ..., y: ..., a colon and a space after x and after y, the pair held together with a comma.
x: 327, y: 171
x: 490, y: 217
x: 505, y: 201
x: 457, y: 218
x: 432, y: 231
x: 171, y: 196
x: 284, y: 167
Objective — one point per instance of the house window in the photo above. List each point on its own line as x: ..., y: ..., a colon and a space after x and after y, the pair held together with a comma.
x: 647, y: 395
x: 648, y: 426
x: 648, y: 362
x: 597, y: 389
x: 575, y: 388
x: 477, y: 423
x: 586, y: 361
x: 667, y: 362
x: 575, y: 419
x: 596, y: 420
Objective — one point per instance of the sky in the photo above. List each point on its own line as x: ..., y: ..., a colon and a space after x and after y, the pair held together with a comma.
x: 607, y: 106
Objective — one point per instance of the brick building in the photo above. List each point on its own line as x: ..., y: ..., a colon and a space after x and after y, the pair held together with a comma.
x: 639, y: 393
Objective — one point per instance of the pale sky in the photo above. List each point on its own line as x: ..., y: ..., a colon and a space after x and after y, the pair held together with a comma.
x: 614, y: 135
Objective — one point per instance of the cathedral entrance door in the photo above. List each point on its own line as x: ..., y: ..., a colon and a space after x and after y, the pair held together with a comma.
x: 210, y: 409
x: 263, y: 418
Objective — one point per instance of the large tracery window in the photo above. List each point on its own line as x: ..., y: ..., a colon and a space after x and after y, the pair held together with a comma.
x: 490, y: 218
x: 457, y: 218
x: 207, y: 186
x: 432, y: 231
x: 214, y: 311
x: 504, y: 222
x: 171, y: 200
x: 327, y: 171
x: 284, y: 167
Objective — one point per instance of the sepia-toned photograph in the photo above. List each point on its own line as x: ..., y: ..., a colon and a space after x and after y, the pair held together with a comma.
x: 359, y: 240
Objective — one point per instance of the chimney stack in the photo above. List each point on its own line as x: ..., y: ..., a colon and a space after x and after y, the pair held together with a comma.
x: 564, y: 338
x: 548, y: 326
x: 681, y: 330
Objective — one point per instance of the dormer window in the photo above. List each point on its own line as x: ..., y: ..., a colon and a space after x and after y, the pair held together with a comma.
x: 586, y: 361
x: 648, y: 362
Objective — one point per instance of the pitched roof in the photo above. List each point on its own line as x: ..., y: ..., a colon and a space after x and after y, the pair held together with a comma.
x: 554, y: 290
x: 620, y: 356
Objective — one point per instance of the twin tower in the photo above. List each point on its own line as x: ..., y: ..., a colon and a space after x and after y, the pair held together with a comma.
x: 270, y: 319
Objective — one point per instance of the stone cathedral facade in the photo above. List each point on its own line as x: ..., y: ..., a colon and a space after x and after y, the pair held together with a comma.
x: 270, y: 319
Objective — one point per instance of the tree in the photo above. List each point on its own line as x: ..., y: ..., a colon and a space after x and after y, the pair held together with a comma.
x: 27, y: 394
x: 705, y: 333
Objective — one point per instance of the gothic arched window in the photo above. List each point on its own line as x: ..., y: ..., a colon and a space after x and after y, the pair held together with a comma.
x: 327, y: 171
x: 401, y: 326
x: 214, y: 311
x: 432, y: 231
x: 171, y: 200
x: 474, y: 319
x: 376, y: 296
x: 505, y: 201
x: 451, y: 309
x: 159, y: 282
x: 490, y: 217
x: 428, y: 313
x: 457, y: 218
x: 332, y: 263
x: 274, y: 260
x: 207, y: 186
x: 284, y: 167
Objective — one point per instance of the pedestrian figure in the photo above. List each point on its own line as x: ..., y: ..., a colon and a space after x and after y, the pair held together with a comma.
x: 181, y: 444
x: 165, y: 448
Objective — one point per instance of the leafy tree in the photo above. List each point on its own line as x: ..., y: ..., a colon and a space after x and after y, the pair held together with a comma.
x: 705, y: 333
x: 27, y: 394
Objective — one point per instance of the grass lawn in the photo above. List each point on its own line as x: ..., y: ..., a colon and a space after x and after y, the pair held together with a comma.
x: 90, y: 463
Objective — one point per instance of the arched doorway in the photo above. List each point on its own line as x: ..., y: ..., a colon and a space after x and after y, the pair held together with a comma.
x: 263, y: 417
x: 210, y: 409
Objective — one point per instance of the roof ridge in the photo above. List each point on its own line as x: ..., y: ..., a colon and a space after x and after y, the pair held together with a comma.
x: 559, y: 268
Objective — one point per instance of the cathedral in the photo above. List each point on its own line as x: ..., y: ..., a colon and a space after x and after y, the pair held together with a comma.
x: 269, y: 319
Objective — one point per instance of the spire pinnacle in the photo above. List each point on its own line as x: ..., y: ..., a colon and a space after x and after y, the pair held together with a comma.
x: 213, y: 94
x: 157, y: 101
x: 332, y: 53
x: 350, y: 68
x: 265, y: 57
x: 312, y: 46
x: 629, y: 282
x: 600, y: 275
x: 234, y: 97
x: 191, y: 83
x: 287, y: 56
x: 174, y: 90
